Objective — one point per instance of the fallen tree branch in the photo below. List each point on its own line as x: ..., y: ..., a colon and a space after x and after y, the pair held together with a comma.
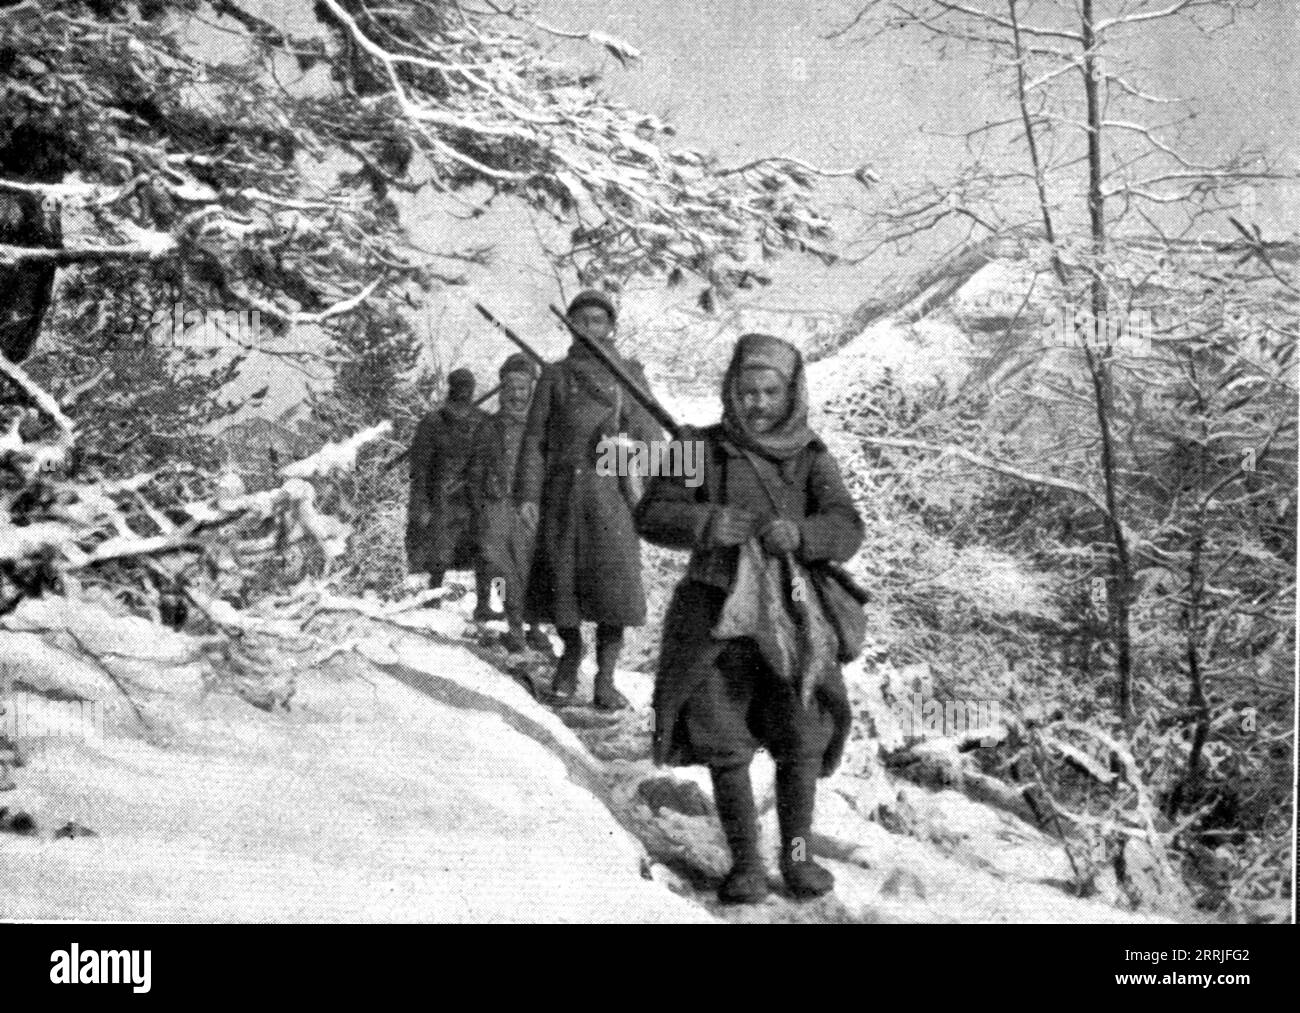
x: 948, y: 767
x: 1146, y: 811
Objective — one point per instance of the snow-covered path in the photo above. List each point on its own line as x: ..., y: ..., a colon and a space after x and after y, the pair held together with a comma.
x: 414, y: 780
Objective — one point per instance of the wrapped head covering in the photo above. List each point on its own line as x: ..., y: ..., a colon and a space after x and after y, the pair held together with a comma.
x: 593, y: 297
x: 518, y: 363
x: 790, y: 434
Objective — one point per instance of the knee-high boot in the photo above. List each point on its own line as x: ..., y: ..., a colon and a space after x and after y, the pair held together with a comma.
x: 609, y: 644
x: 483, y: 610
x: 514, y: 638
x: 565, y: 683
x: 796, y: 794
x: 746, y: 883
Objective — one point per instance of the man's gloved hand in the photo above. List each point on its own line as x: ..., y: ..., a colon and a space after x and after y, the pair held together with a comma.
x: 731, y: 526
x: 781, y: 536
x: 529, y: 515
x: 424, y: 518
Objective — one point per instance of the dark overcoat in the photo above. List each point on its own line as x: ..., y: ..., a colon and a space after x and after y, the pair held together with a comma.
x: 440, y: 455
x: 587, y: 557
x: 505, y: 544
x: 676, y: 516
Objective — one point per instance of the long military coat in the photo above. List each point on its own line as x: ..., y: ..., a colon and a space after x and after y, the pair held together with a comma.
x: 587, y: 557
x: 442, y: 536
x: 674, y: 515
x: 505, y: 544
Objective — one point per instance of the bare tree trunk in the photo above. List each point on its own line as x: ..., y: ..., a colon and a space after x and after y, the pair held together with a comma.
x: 1119, y: 587
x: 1190, y: 788
x: 30, y: 156
x: 1120, y: 583
x: 1188, y: 791
x: 1031, y: 139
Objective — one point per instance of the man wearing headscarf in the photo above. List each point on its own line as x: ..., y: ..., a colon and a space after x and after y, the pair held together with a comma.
x: 767, y: 476
x: 587, y: 558
x: 440, y: 534
x: 505, y: 543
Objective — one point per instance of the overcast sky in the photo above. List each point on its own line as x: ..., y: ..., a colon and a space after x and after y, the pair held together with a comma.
x: 746, y: 78
x: 753, y: 77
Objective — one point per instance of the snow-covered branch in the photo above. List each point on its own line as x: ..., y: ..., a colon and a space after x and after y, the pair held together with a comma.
x: 862, y: 173
x: 89, y: 526
x: 1001, y: 467
x: 39, y: 396
x: 336, y: 456
x: 161, y: 247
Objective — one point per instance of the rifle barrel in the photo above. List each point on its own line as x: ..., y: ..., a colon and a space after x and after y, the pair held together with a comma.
x: 524, y: 345
x: 661, y: 415
x: 643, y: 397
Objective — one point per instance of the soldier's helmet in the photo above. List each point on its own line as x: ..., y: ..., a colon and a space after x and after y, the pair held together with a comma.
x: 518, y: 363
x: 593, y: 297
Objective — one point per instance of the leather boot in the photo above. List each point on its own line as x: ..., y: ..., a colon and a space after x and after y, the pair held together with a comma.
x: 513, y: 641
x: 796, y: 794
x: 609, y: 644
x: 565, y: 683
x: 483, y: 597
x: 746, y: 883
x: 539, y: 641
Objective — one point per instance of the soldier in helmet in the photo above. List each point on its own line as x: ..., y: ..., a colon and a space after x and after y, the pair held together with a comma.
x: 505, y: 542
x: 440, y: 531
x: 587, y: 557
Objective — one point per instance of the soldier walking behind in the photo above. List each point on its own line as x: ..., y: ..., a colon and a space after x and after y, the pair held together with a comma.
x: 505, y: 542
x: 440, y: 529
x: 587, y: 557
x: 716, y: 700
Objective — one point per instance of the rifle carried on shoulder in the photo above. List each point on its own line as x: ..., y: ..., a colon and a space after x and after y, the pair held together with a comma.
x: 523, y: 345
x: 661, y: 415
x: 642, y: 397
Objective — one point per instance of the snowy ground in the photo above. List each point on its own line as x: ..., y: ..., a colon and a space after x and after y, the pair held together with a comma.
x: 381, y: 795
x: 415, y: 778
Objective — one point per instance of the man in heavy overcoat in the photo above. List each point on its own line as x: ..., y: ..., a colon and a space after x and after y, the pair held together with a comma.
x: 440, y: 529
x: 587, y: 557
x: 505, y: 542
x: 767, y: 478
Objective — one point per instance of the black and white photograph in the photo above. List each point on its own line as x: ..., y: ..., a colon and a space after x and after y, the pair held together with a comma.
x: 642, y: 462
